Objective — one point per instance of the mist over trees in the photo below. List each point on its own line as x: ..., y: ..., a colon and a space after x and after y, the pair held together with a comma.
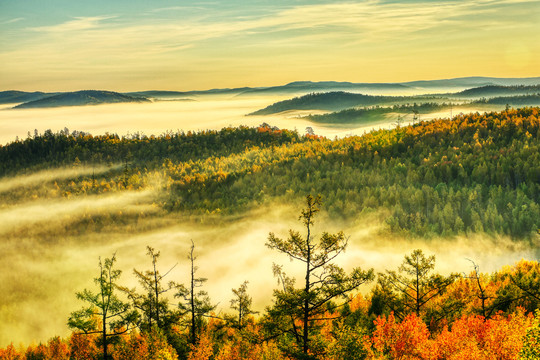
x: 339, y: 324
x: 475, y: 174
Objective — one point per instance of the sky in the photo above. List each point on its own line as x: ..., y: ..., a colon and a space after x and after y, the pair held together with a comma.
x: 128, y: 45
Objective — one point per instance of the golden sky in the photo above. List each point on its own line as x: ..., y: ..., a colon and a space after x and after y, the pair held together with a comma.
x: 125, y: 45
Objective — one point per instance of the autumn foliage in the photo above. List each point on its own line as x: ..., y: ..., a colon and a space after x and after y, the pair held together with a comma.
x: 351, y: 334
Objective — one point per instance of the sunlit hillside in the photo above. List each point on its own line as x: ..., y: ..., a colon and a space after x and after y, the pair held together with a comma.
x: 461, y: 189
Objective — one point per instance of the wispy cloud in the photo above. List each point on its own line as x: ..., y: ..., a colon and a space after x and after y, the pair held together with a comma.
x: 200, y: 37
x: 11, y: 21
x: 370, y: 20
x: 78, y: 24
x: 177, y: 8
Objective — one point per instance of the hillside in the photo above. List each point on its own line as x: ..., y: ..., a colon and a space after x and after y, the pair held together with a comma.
x: 518, y: 100
x: 157, y: 94
x: 473, y: 181
x: 497, y: 91
x: 337, y: 100
x: 373, y: 114
x: 306, y: 87
x: 477, y: 173
x: 13, y: 96
x: 79, y: 98
x: 473, y: 81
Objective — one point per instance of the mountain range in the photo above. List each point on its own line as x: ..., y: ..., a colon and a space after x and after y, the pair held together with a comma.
x: 484, y: 86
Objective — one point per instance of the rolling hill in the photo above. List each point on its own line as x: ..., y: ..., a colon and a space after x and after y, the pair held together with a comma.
x: 79, y: 98
x: 332, y: 101
x: 497, y: 90
x: 14, y: 96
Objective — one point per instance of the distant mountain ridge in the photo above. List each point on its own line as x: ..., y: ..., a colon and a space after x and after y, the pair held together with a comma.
x: 473, y: 81
x: 80, y: 98
x: 499, y: 90
x: 297, y: 88
x: 14, y: 96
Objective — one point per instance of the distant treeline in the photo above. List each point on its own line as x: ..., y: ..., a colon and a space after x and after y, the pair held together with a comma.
x: 498, y: 90
x: 374, y: 113
x: 336, y: 100
x: 42, y: 151
x: 529, y: 100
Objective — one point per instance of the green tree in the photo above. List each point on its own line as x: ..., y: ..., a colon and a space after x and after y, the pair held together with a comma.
x: 196, y: 302
x: 531, y: 341
x: 105, y: 309
x: 153, y: 302
x: 242, y: 303
x: 323, y: 281
x: 413, y: 286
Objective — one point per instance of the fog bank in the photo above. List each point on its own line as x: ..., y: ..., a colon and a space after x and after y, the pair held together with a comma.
x: 40, y: 279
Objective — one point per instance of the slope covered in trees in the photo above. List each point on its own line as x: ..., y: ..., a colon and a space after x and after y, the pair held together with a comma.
x: 79, y: 98
x: 497, y: 91
x: 336, y: 100
x: 374, y: 113
x: 518, y: 100
x: 475, y: 173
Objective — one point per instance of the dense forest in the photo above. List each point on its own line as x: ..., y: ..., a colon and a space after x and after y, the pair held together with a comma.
x: 376, y: 113
x: 335, y: 100
x: 473, y: 174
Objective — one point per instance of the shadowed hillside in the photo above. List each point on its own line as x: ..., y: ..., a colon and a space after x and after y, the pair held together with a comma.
x: 84, y: 97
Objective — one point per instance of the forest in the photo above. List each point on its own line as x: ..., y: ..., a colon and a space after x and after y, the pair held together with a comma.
x: 473, y: 174
x: 409, y: 313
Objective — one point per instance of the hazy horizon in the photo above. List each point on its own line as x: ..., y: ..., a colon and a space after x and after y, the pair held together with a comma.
x: 48, y: 253
x: 132, y: 45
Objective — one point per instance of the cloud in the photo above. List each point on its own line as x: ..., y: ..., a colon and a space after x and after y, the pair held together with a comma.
x: 39, y: 178
x: 67, y: 210
x: 184, y: 44
x: 371, y: 19
x: 12, y: 21
x: 78, y: 24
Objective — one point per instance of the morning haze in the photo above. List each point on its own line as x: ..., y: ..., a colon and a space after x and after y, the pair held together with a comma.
x: 211, y: 121
x: 130, y: 46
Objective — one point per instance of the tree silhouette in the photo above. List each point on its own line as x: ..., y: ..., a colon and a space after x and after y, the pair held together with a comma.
x: 153, y: 303
x: 104, y: 308
x: 413, y: 286
x: 323, y: 281
x: 196, y: 302
x: 242, y: 303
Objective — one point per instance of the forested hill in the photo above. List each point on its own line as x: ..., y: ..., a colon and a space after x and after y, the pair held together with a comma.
x: 79, y: 98
x: 336, y: 100
x: 475, y: 173
x: 498, y: 90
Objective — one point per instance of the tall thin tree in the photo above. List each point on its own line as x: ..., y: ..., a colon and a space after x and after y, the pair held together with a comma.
x: 196, y: 302
x: 323, y: 280
x: 105, y: 309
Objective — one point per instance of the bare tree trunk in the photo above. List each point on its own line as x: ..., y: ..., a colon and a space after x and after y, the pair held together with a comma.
x: 156, y: 292
x: 192, y: 300
x: 306, y: 291
x: 105, y: 355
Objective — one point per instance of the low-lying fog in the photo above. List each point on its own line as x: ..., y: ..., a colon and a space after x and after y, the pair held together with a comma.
x: 161, y: 116
x: 39, y: 278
